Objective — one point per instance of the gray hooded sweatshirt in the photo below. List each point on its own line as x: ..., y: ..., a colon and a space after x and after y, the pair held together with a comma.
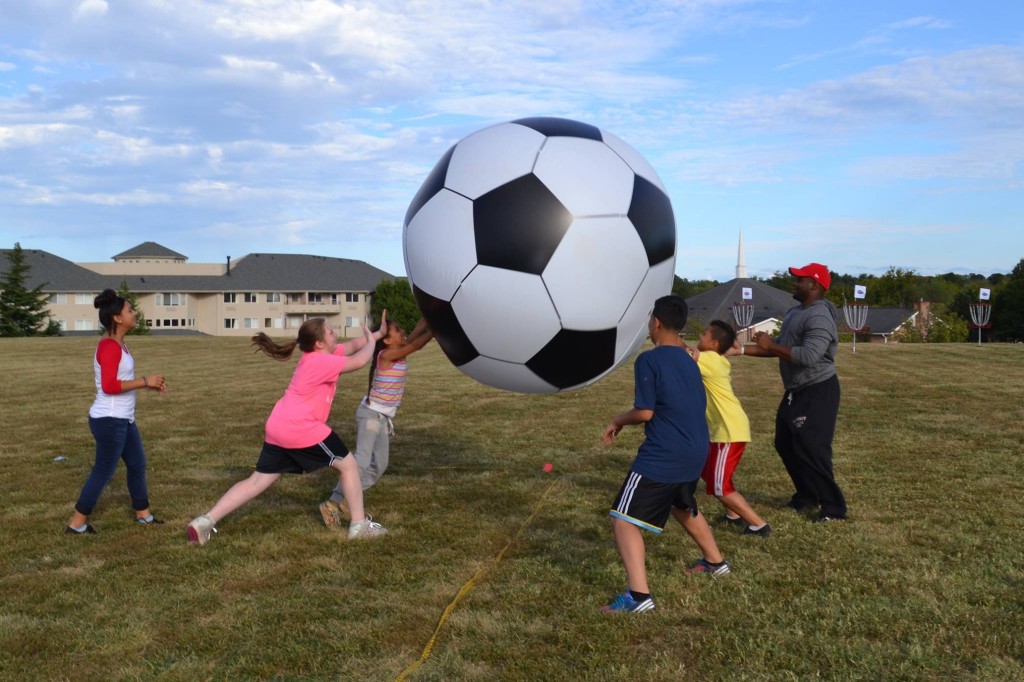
x: 813, y: 334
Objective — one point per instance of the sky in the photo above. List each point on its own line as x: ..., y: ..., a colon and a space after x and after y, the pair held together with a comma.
x: 862, y: 135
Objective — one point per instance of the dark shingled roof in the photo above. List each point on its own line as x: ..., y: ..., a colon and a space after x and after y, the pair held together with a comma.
x: 255, y: 272
x: 881, y: 320
x: 716, y: 304
x: 150, y: 250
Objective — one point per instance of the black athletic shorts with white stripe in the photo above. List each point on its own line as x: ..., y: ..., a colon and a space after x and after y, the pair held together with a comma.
x: 647, y: 503
x: 277, y: 460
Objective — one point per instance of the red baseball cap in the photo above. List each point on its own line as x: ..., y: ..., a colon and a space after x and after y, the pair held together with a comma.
x: 815, y: 271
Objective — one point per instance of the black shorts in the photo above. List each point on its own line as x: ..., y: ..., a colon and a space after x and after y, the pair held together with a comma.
x: 647, y: 503
x: 277, y: 460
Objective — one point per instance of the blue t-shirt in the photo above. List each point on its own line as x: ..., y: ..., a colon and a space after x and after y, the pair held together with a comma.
x: 676, y: 445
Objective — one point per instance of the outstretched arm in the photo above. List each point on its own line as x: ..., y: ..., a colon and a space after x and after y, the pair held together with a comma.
x: 628, y: 418
x: 356, y: 344
x: 359, y: 359
x: 396, y: 354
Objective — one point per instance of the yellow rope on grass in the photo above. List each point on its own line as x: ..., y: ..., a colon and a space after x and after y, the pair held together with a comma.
x: 429, y: 648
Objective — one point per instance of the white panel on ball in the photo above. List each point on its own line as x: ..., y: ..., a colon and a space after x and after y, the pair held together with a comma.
x: 506, y: 314
x: 446, y: 219
x: 586, y: 176
x: 632, y: 157
x: 509, y: 375
x: 658, y: 283
x: 595, y: 271
x: 491, y: 157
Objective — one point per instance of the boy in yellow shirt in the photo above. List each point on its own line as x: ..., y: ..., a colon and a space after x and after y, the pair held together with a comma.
x: 728, y: 426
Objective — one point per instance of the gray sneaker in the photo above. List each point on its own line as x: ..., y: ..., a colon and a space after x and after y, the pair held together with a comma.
x: 365, y: 529
x: 200, y: 530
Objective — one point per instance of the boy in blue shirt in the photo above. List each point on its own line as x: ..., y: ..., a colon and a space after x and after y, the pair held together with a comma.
x: 670, y: 402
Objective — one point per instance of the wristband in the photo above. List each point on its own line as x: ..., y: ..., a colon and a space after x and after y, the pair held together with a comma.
x: 144, y: 382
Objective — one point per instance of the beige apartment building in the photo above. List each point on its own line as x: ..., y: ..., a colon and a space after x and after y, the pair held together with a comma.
x: 269, y: 292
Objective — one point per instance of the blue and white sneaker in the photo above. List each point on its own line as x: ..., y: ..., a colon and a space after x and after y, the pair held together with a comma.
x: 624, y: 603
x: 705, y: 566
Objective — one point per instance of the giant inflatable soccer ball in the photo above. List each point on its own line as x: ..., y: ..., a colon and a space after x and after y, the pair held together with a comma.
x: 536, y: 249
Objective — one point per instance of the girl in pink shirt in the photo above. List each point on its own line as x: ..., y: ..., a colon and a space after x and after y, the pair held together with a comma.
x: 298, y: 439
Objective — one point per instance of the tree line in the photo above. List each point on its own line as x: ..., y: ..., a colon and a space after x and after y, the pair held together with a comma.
x: 23, y: 311
x: 949, y: 294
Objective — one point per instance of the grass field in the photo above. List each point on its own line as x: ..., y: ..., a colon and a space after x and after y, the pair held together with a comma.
x: 495, y: 570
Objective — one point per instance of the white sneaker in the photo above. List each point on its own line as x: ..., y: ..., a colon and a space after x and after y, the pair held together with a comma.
x: 200, y: 530
x: 365, y: 529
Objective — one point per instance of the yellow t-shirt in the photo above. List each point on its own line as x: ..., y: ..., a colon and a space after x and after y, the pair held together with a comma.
x: 727, y: 422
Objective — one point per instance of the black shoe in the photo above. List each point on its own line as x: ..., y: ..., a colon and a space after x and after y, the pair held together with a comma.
x: 727, y: 520
x: 764, y: 531
x: 89, y: 530
x: 799, y: 507
x: 152, y: 521
x: 825, y: 518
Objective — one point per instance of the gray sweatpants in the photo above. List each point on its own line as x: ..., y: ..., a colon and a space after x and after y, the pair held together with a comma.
x: 373, y: 432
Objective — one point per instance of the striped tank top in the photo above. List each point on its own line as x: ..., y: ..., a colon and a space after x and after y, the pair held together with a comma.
x: 388, y: 386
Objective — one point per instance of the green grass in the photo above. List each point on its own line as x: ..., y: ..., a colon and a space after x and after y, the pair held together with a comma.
x: 925, y: 582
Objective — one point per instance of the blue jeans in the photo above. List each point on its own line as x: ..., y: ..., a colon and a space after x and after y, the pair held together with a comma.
x: 116, y: 439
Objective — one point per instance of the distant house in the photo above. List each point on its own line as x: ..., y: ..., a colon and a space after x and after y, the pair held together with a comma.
x: 769, y: 305
x: 258, y: 292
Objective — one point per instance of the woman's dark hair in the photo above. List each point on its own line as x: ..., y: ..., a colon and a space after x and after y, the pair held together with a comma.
x: 310, y: 332
x: 723, y: 333
x: 377, y: 348
x: 109, y: 304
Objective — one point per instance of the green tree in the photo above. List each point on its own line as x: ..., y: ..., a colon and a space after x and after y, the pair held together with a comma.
x: 686, y: 288
x: 23, y: 310
x: 141, y: 326
x: 942, y: 326
x: 898, y: 287
x: 1008, y: 307
x: 396, y: 297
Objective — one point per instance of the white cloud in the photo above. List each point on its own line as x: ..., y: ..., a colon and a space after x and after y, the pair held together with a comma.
x: 88, y: 9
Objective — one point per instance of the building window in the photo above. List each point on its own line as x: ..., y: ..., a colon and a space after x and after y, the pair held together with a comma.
x: 251, y: 323
x: 316, y: 297
x: 170, y: 299
x: 84, y: 299
x: 351, y: 298
x: 230, y: 323
x: 351, y: 321
x: 63, y: 324
x: 274, y: 297
x: 295, y: 298
x: 249, y: 298
x: 83, y: 325
x: 58, y: 299
x: 229, y: 298
x: 278, y: 323
x: 156, y: 322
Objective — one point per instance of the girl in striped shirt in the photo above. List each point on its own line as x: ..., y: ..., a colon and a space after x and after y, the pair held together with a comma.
x: 388, y: 371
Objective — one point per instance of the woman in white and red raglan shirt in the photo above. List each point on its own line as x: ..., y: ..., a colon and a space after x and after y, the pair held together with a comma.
x: 297, y: 437
x: 112, y: 416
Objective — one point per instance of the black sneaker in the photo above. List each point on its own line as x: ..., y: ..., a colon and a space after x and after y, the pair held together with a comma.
x: 727, y: 520
x: 764, y: 531
x: 89, y: 530
x: 799, y: 507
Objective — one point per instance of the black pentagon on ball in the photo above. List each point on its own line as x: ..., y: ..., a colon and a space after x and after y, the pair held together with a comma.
x: 431, y: 186
x: 445, y: 325
x: 561, y: 127
x: 650, y: 211
x: 519, y: 225
x: 574, y: 357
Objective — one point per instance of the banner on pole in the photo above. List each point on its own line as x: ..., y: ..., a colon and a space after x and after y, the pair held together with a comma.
x: 748, y: 294
x: 984, y: 294
x: 859, y: 291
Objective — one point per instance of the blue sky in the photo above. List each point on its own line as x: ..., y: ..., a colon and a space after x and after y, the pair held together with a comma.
x: 862, y: 135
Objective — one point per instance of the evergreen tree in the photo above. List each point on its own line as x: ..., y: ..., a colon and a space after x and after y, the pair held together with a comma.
x: 22, y: 310
x: 396, y: 297
x: 141, y: 326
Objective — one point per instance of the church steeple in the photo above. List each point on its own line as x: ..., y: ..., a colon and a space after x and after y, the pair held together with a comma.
x: 741, y: 266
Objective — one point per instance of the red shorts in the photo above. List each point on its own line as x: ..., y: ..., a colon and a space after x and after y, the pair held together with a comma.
x: 721, y: 462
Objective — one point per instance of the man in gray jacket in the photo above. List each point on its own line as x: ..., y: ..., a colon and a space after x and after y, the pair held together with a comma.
x: 806, y: 419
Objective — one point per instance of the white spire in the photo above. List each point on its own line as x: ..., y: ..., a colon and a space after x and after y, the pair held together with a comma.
x: 741, y: 266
